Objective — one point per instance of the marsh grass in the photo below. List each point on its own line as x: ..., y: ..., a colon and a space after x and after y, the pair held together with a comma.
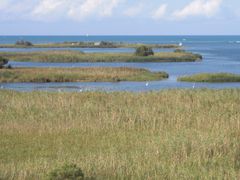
x: 211, y: 77
x: 95, y: 74
x: 172, y: 134
x: 76, y: 56
x: 88, y: 45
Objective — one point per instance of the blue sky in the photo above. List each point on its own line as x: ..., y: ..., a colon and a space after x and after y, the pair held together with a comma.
x: 119, y: 17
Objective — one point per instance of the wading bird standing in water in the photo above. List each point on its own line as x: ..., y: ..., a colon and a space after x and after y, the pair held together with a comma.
x: 194, y: 86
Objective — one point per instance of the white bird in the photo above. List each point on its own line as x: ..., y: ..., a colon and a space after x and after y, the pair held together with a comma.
x: 59, y: 90
x: 194, y: 85
x: 147, y: 84
x: 180, y: 44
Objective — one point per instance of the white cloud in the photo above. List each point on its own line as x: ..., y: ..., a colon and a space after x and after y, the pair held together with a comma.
x: 134, y: 11
x: 108, y: 7
x: 160, y: 12
x: 206, y: 8
x: 80, y: 11
x: 47, y: 7
x: 75, y: 9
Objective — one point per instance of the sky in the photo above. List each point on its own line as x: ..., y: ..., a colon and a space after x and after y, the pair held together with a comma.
x: 119, y: 17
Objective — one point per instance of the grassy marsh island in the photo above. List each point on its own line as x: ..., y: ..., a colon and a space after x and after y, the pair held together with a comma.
x: 95, y: 74
x: 76, y: 56
x: 172, y: 134
x: 100, y: 44
x: 211, y: 77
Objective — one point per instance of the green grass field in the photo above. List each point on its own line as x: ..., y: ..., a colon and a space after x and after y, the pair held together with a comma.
x: 95, y: 74
x: 76, y: 56
x: 211, y: 77
x: 171, y: 134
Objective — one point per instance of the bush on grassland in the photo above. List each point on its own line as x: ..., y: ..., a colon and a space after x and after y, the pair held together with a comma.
x: 24, y: 43
x: 3, y: 61
x: 66, y: 172
x: 144, y: 51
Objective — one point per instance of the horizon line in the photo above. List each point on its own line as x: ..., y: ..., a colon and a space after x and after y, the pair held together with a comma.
x: 87, y: 35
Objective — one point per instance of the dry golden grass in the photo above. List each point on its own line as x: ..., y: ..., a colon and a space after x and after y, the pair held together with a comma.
x: 173, y: 134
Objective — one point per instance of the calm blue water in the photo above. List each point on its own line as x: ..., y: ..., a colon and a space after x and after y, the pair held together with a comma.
x: 221, y: 54
x: 129, y: 39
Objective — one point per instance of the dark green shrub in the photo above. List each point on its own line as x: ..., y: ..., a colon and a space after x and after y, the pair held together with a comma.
x: 144, y: 51
x: 66, y: 172
x: 3, y: 61
x: 24, y: 43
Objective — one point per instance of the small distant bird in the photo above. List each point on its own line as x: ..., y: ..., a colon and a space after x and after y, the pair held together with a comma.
x: 180, y: 44
x: 147, y: 84
x: 59, y: 90
x: 194, y: 85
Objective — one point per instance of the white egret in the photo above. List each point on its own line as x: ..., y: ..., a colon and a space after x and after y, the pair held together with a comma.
x: 194, y: 85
